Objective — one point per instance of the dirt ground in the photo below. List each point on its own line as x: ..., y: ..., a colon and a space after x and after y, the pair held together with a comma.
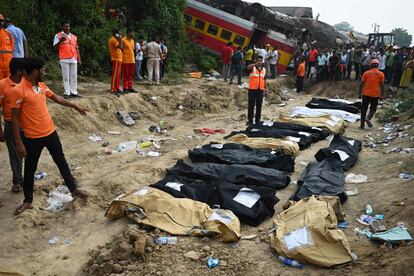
x: 24, y: 239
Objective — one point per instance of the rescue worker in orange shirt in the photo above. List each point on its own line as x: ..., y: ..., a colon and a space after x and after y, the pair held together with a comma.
x: 30, y: 112
x: 7, y: 86
x: 300, y: 74
x: 115, y: 45
x: 128, y: 61
x: 371, y: 89
x: 6, y: 49
x: 257, y: 86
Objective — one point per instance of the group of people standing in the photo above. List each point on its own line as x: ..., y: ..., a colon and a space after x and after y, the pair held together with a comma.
x: 329, y: 64
x: 28, y: 126
x: 236, y: 61
x: 132, y: 59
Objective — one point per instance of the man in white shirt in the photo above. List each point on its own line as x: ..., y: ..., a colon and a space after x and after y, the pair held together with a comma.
x: 67, y: 45
x: 381, y: 58
x: 139, y: 57
x: 273, y: 60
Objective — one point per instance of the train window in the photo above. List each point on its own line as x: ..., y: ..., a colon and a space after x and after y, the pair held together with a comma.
x: 239, y: 40
x: 188, y: 19
x: 212, y: 29
x: 199, y: 24
x: 226, y: 35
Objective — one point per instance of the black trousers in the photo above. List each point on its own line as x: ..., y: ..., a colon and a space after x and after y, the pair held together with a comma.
x: 16, y: 162
x: 34, y: 148
x: 397, y: 76
x: 368, y: 101
x: 357, y: 67
x: 255, y: 99
x: 299, y: 84
x: 388, y: 74
x: 236, y: 71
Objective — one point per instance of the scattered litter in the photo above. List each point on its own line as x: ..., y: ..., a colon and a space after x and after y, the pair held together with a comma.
x: 126, y: 146
x: 407, y: 176
x: 394, y: 235
x: 377, y: 227
x: 114, y: 132
x: 196, y: 75
x: 214, y: 73
x: 146, y: 144
x: 401, y: 150
x: 365, y: 232
x: 209, y: 130
x: 290, y: 262
x: 379, y: 217
x: 53, y: 240
x: 59, y: 199
x: 303, y: 163
x: 365, y: 219
x: 125, y: 118
x: 40, y: 175
x: 181, y: 107
x: 352, y: 192
x: 293, y: 182
x: 212, y: 262
x: 368, y: 210
x: 154, y: 98
x: 211, y: 78
x: 154, y: 154
x: 67, y: 241
x: 234, y: 245
x: 243, y: 85
x: 105, y: 144
x: 165, y: 240
x: 282, y: 104
x: 343, y: 224
x: 95, y: 138
x: 108, y: 151
x: 134, y: 115
x: 249, y: 237
x: 356, y: 178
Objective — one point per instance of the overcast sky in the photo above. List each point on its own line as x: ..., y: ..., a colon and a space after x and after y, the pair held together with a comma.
x: 361, y: 14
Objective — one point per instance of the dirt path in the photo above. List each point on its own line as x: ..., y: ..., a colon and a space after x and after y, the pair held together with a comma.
x: 24, y: 239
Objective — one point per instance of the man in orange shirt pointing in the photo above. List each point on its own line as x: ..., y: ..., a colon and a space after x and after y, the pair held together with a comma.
x: 371, y: 89
x: 29, y: 110
x: 6, y: 49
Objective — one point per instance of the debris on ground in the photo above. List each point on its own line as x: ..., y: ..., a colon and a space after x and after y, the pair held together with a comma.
x: 40, y: 175
x: 95, y: 138
x: 352, y: 178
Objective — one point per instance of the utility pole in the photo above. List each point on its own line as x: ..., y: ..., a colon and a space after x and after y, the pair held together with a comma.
x: 376, y: 27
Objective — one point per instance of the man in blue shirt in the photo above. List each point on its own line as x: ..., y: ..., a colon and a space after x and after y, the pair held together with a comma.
x: 20, y: 42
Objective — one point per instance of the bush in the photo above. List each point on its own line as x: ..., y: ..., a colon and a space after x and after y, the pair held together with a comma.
x: 403, y: 103
x: 202, y: 58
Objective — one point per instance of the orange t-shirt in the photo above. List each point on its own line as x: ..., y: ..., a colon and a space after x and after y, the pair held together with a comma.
x: 114, y: 51
x: 34, y: 115
x: 6, y: 90
x: 128, y: 54
x: 301, y: 69
x: 372, y: 82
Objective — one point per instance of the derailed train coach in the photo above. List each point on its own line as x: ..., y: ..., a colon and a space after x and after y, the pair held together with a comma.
x: 212, y: 25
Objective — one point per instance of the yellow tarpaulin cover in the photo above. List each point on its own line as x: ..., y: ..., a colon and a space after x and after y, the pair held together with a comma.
x: 280, y: 145
x: 332, y: 123
x: 308, y: 232
x: 177, y: 216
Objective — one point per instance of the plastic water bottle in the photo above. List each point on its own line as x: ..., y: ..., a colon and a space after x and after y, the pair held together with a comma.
x: 368, y: 210
x: 290, y: 262
x: 40, y: 175
x: 166, y: 240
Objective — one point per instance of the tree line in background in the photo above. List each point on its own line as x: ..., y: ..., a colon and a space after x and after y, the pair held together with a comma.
x: 93, y: 24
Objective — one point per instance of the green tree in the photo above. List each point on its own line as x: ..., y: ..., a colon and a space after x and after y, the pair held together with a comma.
x: 402, y: 37
x: 163, y: 18
x: 344, y: 26
x: 41, y: 20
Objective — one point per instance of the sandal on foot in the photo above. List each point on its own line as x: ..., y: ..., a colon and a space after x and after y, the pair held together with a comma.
x: 80, y: 194
x: 16, y: 188
x: 22, y: 208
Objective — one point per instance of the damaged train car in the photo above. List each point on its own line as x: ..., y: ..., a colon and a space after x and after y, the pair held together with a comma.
x: 214, y: 23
